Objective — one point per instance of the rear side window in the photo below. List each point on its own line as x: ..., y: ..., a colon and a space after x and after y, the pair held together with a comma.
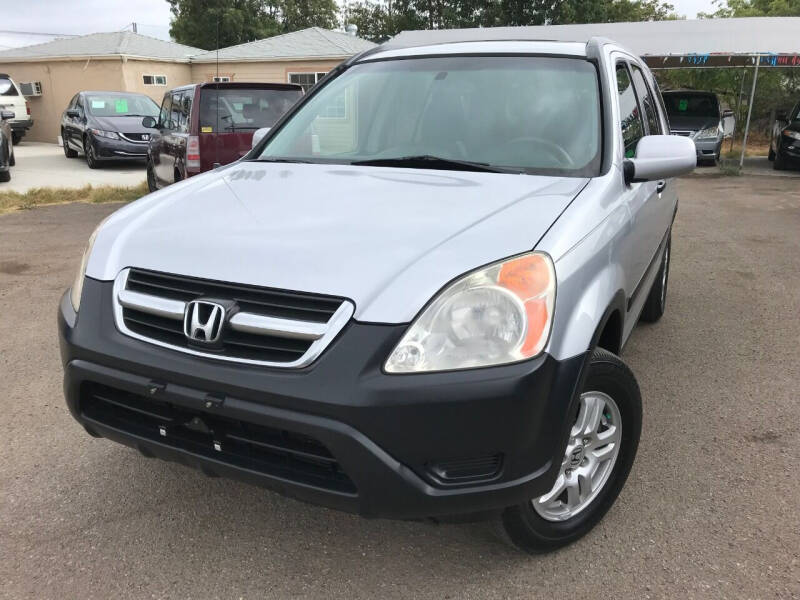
x: 630, y: 115
x: 230, y: 110
x: 647, y: 102
x: 7, y: 88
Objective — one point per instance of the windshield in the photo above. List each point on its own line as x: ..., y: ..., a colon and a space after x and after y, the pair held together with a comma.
x: 243, y: 109
x: 692, y: 105
x: 119, y: 105
x: 533, y: 114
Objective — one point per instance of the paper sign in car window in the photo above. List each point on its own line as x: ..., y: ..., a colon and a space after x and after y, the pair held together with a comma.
x: 121, y: 105
x: 206, y: 130
x: 683, y: 104
x: 98, y: 103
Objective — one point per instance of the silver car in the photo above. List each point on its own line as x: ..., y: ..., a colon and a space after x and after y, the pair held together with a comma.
x: 409, y: 299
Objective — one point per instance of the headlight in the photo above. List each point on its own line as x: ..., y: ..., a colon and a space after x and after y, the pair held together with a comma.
x: 795, y: 135
x: 499, y: 314
x: 77, y: 285
x: 710, y: 132
x: 106, y: 134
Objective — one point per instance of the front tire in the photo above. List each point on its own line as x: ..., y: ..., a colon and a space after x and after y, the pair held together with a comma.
x: 151, y: 178
x: 91, y: 155
x: 598, y: 457
x: 656, y: 302
x: 16, y: 138
x: 68, y: 152
x: 780, y: 163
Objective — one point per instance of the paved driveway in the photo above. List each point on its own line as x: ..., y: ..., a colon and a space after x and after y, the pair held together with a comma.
x: 44, y: 165
x: 711, y: 509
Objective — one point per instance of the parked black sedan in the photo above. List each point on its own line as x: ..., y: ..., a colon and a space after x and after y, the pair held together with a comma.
x: 784, y: 149
x: 107, y: 126
x: 6, y: 147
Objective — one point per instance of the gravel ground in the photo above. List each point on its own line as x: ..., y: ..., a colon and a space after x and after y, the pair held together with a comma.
x: 711, y: 509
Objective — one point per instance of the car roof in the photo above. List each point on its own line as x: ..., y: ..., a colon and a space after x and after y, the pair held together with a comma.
x: 108, y: 93
x: 541, y: 47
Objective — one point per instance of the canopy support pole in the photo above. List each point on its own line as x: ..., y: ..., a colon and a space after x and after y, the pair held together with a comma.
x: 738, y: 113
x: 749, y: 112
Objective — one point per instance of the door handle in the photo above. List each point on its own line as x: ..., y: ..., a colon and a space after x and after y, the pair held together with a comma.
x: 661, y: 185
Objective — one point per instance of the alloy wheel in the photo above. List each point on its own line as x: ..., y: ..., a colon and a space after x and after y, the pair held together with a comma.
x: 588, y: 461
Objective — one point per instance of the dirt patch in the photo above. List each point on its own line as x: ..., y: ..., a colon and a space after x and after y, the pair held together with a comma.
x: 12, y: 267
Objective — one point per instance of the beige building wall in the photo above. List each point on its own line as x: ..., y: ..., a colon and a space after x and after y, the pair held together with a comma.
x: 61, y: 80
x: 262, y: 71
x: 177, y: 74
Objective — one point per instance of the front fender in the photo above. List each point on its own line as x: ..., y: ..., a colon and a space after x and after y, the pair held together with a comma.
x: 591, y: 285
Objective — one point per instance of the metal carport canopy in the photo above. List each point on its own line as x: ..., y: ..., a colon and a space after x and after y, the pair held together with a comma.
x: 678, y: 44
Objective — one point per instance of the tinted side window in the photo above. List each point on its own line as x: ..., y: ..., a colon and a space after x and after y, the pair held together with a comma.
x: 630, y: 115
x: 186, y: 110
x: 647, y: 102
x: 176, y: 111
x: 73, y: 101
x: 163, y: 116
x: 79, y: 103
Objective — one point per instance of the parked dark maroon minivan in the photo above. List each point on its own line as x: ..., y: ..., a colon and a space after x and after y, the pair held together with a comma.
x: 201, y: 125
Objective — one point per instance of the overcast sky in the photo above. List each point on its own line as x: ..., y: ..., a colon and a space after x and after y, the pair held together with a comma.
x: 152, y: 17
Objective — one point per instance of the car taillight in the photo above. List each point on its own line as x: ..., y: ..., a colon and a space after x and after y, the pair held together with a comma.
x: 28, y: 108
x: 193, y: 152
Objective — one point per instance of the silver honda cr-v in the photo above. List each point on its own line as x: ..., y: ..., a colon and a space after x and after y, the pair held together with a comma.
x: 409, y: 299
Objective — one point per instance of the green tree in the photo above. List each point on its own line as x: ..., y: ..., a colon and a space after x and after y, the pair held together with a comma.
x: 754, y: 8
x: 299, y: 14
x: 380, y: 19
x: 195, y: 22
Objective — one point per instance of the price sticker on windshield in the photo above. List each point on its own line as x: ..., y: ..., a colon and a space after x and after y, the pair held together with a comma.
x: 121, y: 105
x: 683, y: 104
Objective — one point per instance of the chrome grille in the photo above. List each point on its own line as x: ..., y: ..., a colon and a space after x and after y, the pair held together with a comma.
x: 269, y: 327
x: 136, y: 138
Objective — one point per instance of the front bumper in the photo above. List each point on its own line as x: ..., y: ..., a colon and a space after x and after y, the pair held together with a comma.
x: 789, y: 148
x: 387, y: 435
x: 109, y: 149
x: 708, y: 148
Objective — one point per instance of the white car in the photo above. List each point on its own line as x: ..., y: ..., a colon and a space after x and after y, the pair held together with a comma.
x: 11, y: 98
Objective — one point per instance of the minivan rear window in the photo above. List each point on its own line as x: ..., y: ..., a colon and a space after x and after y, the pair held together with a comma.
x: 243, y: 109
x: 7, y: 88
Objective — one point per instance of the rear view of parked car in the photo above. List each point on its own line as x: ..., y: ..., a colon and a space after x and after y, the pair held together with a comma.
x: 106, y: 126
x: 784, y: 148
x: 11, y: 99
x: 6, y: 146
x: 698, y: 115
x: 209, y: 124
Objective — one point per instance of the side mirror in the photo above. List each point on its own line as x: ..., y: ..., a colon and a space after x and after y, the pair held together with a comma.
x: 660, y: 157
x: 781, y: 116
x: 728, y: 123
x: 149, y: 122
x: 7, y: 115
x: 258, y: 135
x: 73, y: 113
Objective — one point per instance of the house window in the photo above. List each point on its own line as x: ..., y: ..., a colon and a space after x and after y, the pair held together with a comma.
x: 154, y: 79
x: 307, y: 80
x: 221, y: 79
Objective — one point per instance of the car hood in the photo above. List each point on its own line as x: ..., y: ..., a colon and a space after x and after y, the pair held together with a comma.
x: 388, y: 239
x: 680, y: 123
x: 123, y: 124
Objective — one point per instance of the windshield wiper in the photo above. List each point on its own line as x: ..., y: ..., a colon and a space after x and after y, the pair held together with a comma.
x: 427, y: 161
x: 282, y: 160
x: 237, y: 127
